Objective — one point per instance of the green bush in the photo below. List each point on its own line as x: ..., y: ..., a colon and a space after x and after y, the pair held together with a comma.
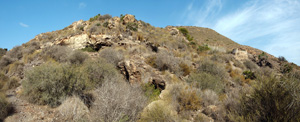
x: 89, y: 49
x: 132, y: 26
x: 282, y: 59
x: 263, y: 55
x: 49, y: 83
x: 105, y: 24
x: 121, y: 18
x: 5, y: 107
x: 286, y: 68
x: 94, y: 18
x: 150, y: 91
x: 249, y: 75
x: 185, y: 33
x: 272, y: 100
x: 203, y: 48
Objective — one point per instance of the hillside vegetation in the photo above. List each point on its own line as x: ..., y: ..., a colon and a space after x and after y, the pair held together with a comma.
x: 116, y: 69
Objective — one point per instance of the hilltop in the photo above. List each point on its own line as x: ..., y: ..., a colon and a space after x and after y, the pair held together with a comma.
x: 123, y: 69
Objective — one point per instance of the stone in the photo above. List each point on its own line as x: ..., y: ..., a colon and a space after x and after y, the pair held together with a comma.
x: 128, y: 19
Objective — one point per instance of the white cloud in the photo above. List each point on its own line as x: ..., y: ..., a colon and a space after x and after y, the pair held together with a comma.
x: 273, y: 26
x: 23, y: 25
x: 82, y: 5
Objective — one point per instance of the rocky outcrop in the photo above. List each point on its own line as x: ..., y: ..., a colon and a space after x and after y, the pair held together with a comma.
x: 75, y: 42
x: 128, y: 19
x: 159, y: 83
x: 240, y: 54
x: 79, y: 25
x: 129, y: 70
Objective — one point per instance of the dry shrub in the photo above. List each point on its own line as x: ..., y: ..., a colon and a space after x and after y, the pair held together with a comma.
x: 12, y: 83
x: 3, y: 80
x: 238, y: 64
x: 206, y: 81
x: 5, y: 107
x: 99, y: 71
x: 118, y: 101
x: 31, y: 47
x: 157, y: 111
x: 166, y: 61
x: 184, y: 98
x: 224, y: 58
x: 272, y: 99
x: 5, y: 61
x: 185, y: 68
x: 56, y: 52
x: 15, y: 53
x: 151, y: 61
x: 250, y: 65
x: 104, y: 17
x: 16, y: 69
x: 210, y: 97
x: 238, y: 77
x: 212, y: 68
x: 77, y: 57
x: 73, y: 109
x: 111, y: 55
x: 189, y: 100
x: 30, y: 57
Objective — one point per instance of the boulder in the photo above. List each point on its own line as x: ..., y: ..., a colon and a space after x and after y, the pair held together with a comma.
x: 174, y: 31
x: 158, y: 83
x: 128, y: 18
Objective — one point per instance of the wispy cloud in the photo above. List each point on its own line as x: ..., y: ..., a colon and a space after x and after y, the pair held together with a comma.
x: 272, y: 26
x: 23, y: 25
x: 82, y: 5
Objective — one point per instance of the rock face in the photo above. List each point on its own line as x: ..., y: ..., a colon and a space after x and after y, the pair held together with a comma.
x: 240, y: 54
x: 79, y: 25
x: 128, y: 18
x: 159, y: 83
x: 75, y: 42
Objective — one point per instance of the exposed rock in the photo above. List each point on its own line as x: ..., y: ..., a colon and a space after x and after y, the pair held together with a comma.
x: 262, y: 61
x: 79, y: 24
x: 159, y: 83
x: 76, y: 42
x: 174, y: 31
x: 129, y: 70
x: 240, y: 54
x: 128, y: 18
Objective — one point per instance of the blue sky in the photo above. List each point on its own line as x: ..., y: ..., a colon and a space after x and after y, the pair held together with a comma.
x: 270, y: 25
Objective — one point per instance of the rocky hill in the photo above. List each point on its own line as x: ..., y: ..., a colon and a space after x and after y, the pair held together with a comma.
x: 123, y: 69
